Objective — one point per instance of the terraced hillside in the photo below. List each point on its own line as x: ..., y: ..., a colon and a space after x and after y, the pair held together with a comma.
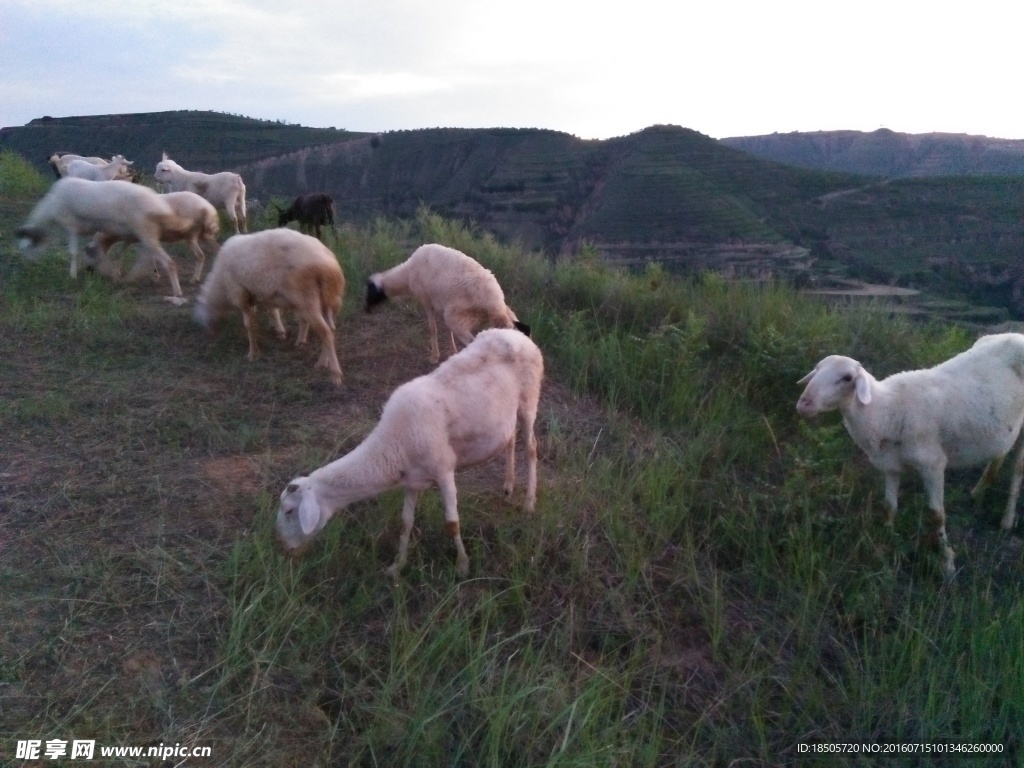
x: 665, y: 194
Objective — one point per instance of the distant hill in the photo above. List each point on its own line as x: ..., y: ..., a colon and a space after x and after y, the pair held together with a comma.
x: 664, y: 191
x: 664, y: 194
x: 889, y: 154
x: 201, y: 141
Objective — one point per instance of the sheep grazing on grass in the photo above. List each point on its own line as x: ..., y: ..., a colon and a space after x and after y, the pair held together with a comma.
x: 965, y: 412
x: 92, y: 168
x: 463, y: 413
x: 278, y: 269
x: 117, y: 168
x: 120, y: 209
x: 59, y: 161
x: 312, y: 211
x: 197, y: 222
x: 449, y: 283
x: 225, y: 190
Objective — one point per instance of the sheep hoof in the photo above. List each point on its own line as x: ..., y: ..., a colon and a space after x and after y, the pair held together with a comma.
x: 462, y: 569
x: 177, y: 301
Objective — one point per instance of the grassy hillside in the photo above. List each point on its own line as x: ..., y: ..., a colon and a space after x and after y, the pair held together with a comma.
x: 706, y: 581
x: 663, y: 195
x: 202, y: 141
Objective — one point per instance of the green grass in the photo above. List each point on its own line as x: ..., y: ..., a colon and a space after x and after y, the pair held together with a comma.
x: 706, y: 581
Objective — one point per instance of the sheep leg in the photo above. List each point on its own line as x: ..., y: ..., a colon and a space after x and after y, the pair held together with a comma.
x: 460, y: 327
x: 408, y: 515
x: 279, y: 329
x: 328, y: 355
x: 249, y: 319
x: 510, y: 466
x: 892, y: 492
x: 527, y: 421
x: 1010, y: 518
x: 446, y: 485
x: 193, y: 245
x: 166, y: 263
x: 989, y: 475
x: 73, y: 250
x: 934, y: 479
x: 435, y: 353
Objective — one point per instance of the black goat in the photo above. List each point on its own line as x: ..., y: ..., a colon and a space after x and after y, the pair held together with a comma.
x: 313, y: 210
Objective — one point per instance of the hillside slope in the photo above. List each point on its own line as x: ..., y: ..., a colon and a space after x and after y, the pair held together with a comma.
x: 202, y: 141
x: 665, y: 194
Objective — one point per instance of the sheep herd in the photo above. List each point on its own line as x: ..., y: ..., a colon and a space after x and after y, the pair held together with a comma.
x: 965, y: 412
x: 465, y: 412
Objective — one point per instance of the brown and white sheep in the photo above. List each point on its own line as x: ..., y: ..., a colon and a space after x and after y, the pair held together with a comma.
x: 120, y: 209
x: 278, y: 269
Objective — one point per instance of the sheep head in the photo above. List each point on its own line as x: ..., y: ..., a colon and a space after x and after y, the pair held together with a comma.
x: 374, y: 292
x: 29, y: 239
x: 299, y: 518
x: 835, y: 380
x: 284, y: 215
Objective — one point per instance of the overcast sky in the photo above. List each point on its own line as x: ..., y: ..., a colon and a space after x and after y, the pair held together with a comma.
x: 596, y: 70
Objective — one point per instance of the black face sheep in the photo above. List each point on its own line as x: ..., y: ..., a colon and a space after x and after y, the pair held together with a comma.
x: 449, y: 283
x: 965, y: 412
x: 225, y: 190
x: 278, y: 269
x: 312, y: 211
x: 463, y: 413
x: 121, y: 209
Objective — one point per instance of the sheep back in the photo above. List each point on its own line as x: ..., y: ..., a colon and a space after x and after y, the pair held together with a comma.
x: 279, y: 268
x: 484, y: 388
x: 972, y: 405
x: 438, y: 276
x: 117, y: 207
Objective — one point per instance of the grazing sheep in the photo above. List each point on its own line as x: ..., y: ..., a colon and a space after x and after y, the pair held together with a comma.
x: 117, y: 168
x: 59, y: 160
x: 197, y: 220
x: 312, y: 211
x: 225, y: 190
x: 119, y: 208
x: 964, y: 412
x: 463, y: 413
x: 447, y: 282
x: 279, y: 269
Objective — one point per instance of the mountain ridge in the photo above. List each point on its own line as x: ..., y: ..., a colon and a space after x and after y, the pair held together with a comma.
x: 887, y: 153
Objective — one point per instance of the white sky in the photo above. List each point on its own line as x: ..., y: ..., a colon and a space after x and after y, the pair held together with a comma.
x: 596, y: 70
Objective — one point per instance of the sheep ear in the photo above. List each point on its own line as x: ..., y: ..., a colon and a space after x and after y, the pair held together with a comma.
x: 863, y: 387
x: 309, y: 511
x: 807, y: 378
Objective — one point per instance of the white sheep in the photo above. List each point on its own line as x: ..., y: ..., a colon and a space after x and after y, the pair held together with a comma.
x: 449, y: 283
x: 225, y: 190
x: 278, y: 269
x: 118, y: 208
x: 964, y: 412
x: 59, y: 160
x: 197, y: 221
x: 463, y: 413
x: 117, y: 168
